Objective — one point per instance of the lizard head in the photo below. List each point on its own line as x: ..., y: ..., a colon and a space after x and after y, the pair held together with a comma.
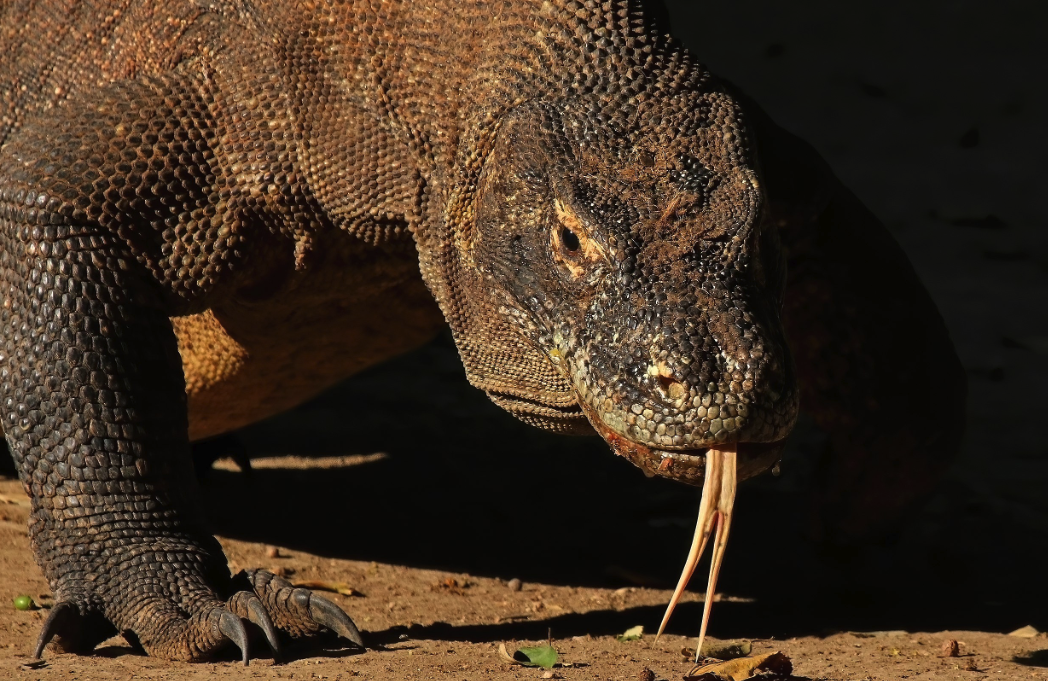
x: 616, y: 277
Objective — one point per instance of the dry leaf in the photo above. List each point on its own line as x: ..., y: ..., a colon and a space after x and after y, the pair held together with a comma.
x: 504, y: 654
x: 334, y: 587
x: 743, y: 668
x: 726, y: 650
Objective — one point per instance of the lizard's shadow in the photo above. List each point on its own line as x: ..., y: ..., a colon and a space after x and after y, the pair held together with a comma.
x: 460, y: 474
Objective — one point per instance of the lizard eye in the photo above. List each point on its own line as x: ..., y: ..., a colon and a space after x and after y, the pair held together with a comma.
x: 572, y: 247
x: 569, y: 240
x: 568, y: 234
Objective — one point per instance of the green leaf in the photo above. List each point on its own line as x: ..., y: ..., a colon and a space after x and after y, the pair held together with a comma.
x: 631, y: 634
x: 537, y: 656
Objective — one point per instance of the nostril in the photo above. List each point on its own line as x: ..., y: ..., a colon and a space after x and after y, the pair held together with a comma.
x: 671, y: 386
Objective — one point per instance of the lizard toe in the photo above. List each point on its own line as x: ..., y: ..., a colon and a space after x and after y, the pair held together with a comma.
x: 71, y: 628
x: 162, y: 629
x: 233, y: 629
x: 248, y: 606
x: 297, y: 611
x: 329, y: 615
x: 167, y: 631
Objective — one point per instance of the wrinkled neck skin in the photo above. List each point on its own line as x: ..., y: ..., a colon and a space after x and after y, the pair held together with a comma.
x: 591, y: 228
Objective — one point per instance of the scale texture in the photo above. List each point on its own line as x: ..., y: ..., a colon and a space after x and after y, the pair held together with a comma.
x: 211, y: 211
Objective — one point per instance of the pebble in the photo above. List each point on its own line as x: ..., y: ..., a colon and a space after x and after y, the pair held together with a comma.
x: 272, y: 552
x: 515, y: 584
x: 950, y: 648
x: 646, y: 675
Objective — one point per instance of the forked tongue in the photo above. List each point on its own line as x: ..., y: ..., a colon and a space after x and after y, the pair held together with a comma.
x: 718, y: 499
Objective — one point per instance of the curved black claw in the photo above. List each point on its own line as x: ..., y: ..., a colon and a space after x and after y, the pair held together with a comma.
x: 326, y: 613
x: 256, y: 612
x: 295, y: 610
x: 230, y: 625
x: 62, y: 615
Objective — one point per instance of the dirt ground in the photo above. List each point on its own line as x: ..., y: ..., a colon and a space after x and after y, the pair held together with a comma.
x: 413, y: 489
x: 434, y: 624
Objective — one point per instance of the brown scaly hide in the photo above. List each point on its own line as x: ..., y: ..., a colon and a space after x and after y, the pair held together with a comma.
x: 209, y: 212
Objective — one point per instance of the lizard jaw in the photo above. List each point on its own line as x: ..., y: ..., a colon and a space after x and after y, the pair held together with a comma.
x: 686, y: 465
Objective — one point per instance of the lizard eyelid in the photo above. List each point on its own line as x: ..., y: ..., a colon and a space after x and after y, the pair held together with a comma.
x: 573, y: 249
x: 570, y: 233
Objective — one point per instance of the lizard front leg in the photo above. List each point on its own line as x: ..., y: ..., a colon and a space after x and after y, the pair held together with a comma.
x: 94, y: 409
x: 109, y: 224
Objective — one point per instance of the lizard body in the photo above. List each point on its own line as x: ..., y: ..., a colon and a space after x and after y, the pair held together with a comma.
x: 211, y: 211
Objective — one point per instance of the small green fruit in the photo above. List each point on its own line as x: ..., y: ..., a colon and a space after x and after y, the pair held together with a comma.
x: 23, y: 602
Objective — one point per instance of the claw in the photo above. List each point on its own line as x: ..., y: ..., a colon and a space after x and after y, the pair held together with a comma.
x: 715, y: 509
x: 60, y: 615
x: 230, y: 625
x: 328, y: 614
x: 257, y: 614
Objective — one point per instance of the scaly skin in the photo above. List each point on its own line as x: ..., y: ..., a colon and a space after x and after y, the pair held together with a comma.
x: 210, y: 212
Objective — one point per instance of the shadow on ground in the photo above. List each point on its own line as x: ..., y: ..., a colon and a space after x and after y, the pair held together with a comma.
x: 465, y: 488
x: 1038, y: 658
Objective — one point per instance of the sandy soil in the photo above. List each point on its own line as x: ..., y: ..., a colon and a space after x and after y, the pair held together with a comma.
x: 433, y: 624
x: 405, y: 478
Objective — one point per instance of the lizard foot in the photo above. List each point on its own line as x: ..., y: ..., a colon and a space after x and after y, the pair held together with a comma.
x: 164, y: 629
x: 195, y: 627
x: 296, y: 611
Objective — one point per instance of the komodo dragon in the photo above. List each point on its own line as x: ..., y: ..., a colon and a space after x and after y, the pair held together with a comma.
x: 210, y: 210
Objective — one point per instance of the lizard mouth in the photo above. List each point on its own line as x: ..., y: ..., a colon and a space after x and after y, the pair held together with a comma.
x: 689, y: 466
x: 686, y: 465
x: 518, y: 403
